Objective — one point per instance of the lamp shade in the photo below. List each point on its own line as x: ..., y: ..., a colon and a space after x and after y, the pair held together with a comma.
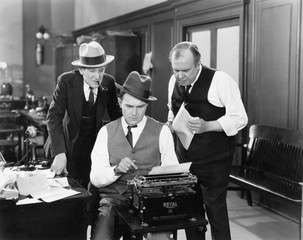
x: 6, y: 89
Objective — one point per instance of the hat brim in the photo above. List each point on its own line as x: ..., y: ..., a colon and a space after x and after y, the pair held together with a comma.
x: 150, y: 98
x: 109, y: 59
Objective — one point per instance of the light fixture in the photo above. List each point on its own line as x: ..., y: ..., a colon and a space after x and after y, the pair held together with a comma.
x: 42, y: 33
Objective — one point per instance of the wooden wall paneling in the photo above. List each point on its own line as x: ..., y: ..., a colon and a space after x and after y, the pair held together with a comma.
x: 300, y: 105
x: 206, y: 6
x: 164, y: 33
x: 162, y: 42
x: 144, y: 32
x: 133, y: 19
x: 275, y: 82
x: 127, y: 52
x: 197, y: 16
x: 64, y: 56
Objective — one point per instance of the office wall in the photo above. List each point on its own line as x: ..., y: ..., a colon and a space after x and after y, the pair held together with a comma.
x: 58, y: 18
x: 11, y: 42
x: 93, y: 11
x: 20, y: 21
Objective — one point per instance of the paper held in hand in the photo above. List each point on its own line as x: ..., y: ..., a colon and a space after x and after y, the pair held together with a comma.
x: 180, y: 128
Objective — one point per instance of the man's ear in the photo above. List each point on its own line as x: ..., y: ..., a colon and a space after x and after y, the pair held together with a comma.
x: 81, y: 70
x: 120, y: 102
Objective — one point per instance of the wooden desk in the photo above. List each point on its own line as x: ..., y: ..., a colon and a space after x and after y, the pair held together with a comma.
x: 11, y: 104
x: 61, y: 220
x: 133, y: 223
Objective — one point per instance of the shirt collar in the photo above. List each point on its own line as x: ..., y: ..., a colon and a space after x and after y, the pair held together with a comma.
x: 140, y: 125
x: 86, y: 88
x: 199, y: 72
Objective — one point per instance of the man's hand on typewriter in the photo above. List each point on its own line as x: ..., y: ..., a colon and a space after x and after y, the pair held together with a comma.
x: 125, y: 165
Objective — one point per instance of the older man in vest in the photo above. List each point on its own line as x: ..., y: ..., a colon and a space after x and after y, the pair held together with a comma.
x: 212, y: 99
x: 126, y: 147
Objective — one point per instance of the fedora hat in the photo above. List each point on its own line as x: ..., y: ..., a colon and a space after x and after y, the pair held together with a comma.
x: 92, y: 55
x: 139, y: 86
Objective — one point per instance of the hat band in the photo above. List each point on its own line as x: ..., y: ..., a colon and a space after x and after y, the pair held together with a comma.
x: 93, y: 60
x: 138, y: 92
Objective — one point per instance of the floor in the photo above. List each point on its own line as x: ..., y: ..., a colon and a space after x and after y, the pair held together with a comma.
x: 254, y: 223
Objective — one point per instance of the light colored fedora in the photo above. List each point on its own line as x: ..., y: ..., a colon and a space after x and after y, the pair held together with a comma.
x: 92, y: 55
x: 138, y: 86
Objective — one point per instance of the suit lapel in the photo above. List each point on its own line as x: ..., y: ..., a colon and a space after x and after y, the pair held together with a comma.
x: 100, y: 108
x: 101, y: 102
x: 77, y: 98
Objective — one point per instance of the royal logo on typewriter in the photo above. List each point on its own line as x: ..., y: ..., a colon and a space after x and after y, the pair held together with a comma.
x: 170, y: 205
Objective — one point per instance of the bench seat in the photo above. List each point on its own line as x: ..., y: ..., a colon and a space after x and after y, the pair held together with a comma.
x: 272, y: 165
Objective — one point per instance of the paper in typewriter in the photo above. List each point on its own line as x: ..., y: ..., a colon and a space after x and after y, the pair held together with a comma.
x: 179, y: 168
x: 180, y: 128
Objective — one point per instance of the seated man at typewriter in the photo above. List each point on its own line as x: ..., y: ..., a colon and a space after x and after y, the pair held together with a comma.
x: 116, y: 157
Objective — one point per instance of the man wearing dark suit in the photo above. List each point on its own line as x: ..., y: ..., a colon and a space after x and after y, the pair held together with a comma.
x: 212, y: 99
x: 75, y: 114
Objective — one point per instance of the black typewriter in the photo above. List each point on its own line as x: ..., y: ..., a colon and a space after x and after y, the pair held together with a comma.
x: 162, y: 197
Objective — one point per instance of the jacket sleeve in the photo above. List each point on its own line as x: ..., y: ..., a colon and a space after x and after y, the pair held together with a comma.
x: 113, y: 108
x: 55, y: 117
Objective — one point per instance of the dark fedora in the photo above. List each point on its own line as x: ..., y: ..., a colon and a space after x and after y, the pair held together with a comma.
x: 92, y: 55
x: 138, y: 86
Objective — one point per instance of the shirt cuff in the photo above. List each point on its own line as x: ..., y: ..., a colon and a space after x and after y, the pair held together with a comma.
x: 228, y: 125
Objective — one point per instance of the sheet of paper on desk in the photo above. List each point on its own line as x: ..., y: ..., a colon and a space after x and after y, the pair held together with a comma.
x: 58, y: 182
x: 47, y: 172
x: 52, y: 194
x: 29, y: 182
x: 28, y: 201
x: 180, y: 168
x: 180, y: 127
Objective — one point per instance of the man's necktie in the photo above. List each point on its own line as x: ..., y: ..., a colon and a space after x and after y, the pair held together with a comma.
x: 186, y: 93
x: 91, y: 95
x: 129, y: 135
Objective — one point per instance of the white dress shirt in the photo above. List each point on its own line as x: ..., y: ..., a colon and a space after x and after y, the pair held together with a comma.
x: 87, y: 91
x: 102, y: 174
x: 223, y: 92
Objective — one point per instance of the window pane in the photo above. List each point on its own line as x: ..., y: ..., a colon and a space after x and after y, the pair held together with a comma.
x: 228, y: 51
x: 202, y: 40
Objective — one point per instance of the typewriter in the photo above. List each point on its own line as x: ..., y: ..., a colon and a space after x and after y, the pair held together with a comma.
x: 168, y: 196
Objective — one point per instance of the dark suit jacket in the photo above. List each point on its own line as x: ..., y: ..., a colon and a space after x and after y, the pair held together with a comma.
x: 65, y: 111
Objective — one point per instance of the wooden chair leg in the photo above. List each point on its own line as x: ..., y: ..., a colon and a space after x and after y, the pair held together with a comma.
x: 248, y: 198
x: 175, y: 234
